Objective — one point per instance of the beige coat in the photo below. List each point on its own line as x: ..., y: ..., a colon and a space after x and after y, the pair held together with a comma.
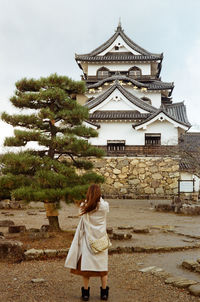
x: 80, y: 246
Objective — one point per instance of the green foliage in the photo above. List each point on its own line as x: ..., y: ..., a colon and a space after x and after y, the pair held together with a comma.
x: 56, y: 124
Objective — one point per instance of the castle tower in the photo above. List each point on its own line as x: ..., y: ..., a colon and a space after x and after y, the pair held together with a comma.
x: 129, y: 105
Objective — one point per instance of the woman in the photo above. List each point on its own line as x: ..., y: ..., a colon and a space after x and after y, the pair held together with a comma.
x: 80, y: 259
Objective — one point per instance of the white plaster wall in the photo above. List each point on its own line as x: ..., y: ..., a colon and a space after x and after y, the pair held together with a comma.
x: 121, y: 103
x: 190, y: 176
x: 169, y: 133
x: 145, y: 68
x: 116, y: 43
x: 155, y: 97
x: 125, y: 131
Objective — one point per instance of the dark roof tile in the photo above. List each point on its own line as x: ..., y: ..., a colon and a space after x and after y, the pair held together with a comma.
x: 130, y: 43
x: 153, y: 85
x: 118, y: 115
x: 133, y: 99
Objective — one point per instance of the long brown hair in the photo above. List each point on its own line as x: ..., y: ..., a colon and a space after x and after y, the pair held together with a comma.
x: 92, y: 198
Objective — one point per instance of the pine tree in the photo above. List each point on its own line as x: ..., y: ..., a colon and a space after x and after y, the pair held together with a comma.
x: 59, y: 169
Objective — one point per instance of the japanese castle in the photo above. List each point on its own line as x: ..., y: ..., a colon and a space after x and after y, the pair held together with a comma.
x: 129, y: 105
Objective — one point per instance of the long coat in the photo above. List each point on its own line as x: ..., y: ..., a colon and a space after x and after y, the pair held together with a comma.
x: 80, y: 245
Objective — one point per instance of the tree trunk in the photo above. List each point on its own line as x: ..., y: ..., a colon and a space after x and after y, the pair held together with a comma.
x: 52, y: 215
x: 54, y: 223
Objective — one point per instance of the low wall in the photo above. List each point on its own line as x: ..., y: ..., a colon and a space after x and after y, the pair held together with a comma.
x: 138, y: 177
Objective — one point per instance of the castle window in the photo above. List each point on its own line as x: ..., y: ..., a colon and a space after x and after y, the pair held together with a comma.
x: 103, y: 73
x: 134, y: 72
x: 115, y: 145
x: 146, y: 100
x: 152, y: 139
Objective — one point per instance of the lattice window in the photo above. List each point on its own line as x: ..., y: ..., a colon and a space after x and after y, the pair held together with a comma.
x: 116, y: 145
x: 152, y: 139
x: 134, y: 72
x: 103, y: 73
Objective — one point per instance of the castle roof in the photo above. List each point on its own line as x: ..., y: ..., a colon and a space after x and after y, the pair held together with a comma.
x: 118, y: 115
x: 175, y: 112
x: 133, y: 99
x: 144, y: 55
x: 152, y: 85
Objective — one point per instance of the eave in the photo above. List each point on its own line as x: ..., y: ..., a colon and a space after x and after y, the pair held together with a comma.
x: 127, y: 40
x: 133, y: 99
x: 153, y: 85
x: 162, y: 115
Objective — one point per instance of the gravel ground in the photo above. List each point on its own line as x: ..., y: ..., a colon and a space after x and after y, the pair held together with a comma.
x: 126, y: 283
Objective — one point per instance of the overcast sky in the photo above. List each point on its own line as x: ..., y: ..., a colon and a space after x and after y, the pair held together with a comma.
x: 40, y: 37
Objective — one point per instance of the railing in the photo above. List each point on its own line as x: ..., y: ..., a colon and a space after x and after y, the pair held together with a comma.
x: 136, y: 77
x: 142, y: 151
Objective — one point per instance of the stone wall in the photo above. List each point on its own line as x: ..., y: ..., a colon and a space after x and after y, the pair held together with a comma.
x: 138, y: 177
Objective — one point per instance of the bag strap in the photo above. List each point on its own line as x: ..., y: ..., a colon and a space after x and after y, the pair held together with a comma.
x: 89, y: 228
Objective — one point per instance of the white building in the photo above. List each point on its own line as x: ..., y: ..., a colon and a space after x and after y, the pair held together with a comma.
x: 129, y: 105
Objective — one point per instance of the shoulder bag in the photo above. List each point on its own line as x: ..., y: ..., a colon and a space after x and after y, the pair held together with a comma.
x: 98, y: 245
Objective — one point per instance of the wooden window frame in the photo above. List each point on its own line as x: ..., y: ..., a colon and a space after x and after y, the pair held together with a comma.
x: 153, y: 139
x: 116, y: 145
x: 103, y: 73
x: 136, y: 72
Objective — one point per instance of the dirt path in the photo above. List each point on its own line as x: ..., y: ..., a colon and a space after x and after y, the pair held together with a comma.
x: 126, y: 283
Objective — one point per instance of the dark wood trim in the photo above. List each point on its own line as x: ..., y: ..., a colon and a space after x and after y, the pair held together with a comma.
x: 142, y: 151
x: 93, y: 79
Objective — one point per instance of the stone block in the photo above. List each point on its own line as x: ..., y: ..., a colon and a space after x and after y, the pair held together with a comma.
x: 16, y: 228
x: 123, y: 190
x: 195, y: 290
x: 164, y: 207
x: 118, y: 185
x: 109, y: 230
x: 9, y: 214
x: 11, y: 250
x: 116, y: 171
x: 157, y: 176
x: 5, y: 204
x: 33, y: 254
x: 189, y: 264
x: 109, y: 180
x: 128, y: 227
x: 141, y: 230
x: 159, y: 191
x: 38, y: 235
x: 133, y: 181
x: 121, y: 236
x: 123, y: 164
x: 6, y: 223
x: 147, y: 269
x: 99, y: 164
x: 134, y: 162
x: 149, y: 190
x: 124, y: 170
x: 62, y: 252
x: 153, y: 169
x: 31, y: 213
x: 185, y: 283
x: 15, y: 205
x: 50, y: 253
x: 172, y: 280
x: 38, y: 280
